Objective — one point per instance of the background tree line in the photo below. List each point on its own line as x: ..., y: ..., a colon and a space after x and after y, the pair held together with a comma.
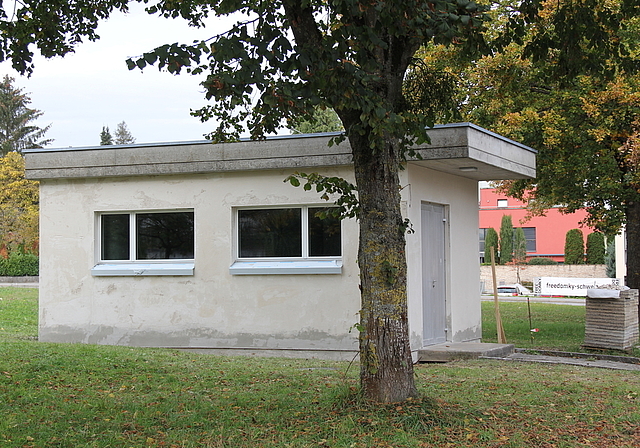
x: 510, y: 246
x: 19, y: 197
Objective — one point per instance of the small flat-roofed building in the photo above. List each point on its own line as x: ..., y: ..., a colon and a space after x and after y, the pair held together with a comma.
x: 203, y: 246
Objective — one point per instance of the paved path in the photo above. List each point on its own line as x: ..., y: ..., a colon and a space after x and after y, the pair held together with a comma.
x: 584, y: 362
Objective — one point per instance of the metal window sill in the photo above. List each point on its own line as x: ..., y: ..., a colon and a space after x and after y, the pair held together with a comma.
x: 141, y: 269
x: 262, y: 267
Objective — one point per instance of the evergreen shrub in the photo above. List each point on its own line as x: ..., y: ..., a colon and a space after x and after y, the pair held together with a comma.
x: 542, y: 261
x: 610, y: 258
x: 506, y: 240
x: 19, y: 265
x: 574, y: 247
x: 519, y: 246
x: 491, y: 240
x: 595, y: 248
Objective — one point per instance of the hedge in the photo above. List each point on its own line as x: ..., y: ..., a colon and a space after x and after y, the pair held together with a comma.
x: 19, y: 265
x: 542, y: 261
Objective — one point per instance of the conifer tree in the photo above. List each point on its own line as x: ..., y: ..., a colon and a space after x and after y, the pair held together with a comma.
x: 17, y: 131
x: 105, y: 136
x: 122, y: 136
x: 506, y: 240
x: 574, y: 247
x: 610, y: 258
x: 520, y: 246
x: 595, y: 248
x: 491, y: 241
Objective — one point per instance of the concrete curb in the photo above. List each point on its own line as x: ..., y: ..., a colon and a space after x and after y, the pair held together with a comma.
x: 588, y: 356
x: 25, y: 279
x: 603, y: 364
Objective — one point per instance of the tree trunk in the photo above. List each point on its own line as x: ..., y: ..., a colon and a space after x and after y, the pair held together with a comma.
x: 386, y: 368
x: 632, y: 213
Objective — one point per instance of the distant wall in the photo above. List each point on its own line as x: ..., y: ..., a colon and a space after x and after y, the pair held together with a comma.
x: 506, y: 275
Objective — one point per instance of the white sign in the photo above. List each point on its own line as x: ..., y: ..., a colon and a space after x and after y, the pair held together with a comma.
x: 559, y: 286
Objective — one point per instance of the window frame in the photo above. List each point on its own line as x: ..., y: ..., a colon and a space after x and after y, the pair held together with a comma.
x: 134, y: 266
x: 304, y: 264
x: 532, y: 243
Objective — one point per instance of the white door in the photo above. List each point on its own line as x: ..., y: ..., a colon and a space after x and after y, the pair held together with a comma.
x: 434, y: 226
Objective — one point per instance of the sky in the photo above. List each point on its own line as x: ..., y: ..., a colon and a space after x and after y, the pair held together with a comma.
x: 92, y: 88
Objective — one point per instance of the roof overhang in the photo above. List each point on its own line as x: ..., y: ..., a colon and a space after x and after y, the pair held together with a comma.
x: 467, y: 150
x: 461, y: 149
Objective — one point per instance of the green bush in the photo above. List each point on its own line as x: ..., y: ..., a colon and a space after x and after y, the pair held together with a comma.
x: 519, y: 246
x: 19, y: 265
x: 491, y: 240
x: 542, y: 261
x: 506, y: 240
x: 610, y: 258
x: 574, y: 247
x: 595, y: 248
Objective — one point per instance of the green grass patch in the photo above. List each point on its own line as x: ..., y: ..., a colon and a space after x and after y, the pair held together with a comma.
x: 561, y: 327
x: 18, y: 313
x: 72, y: 395
x: 69, y: 395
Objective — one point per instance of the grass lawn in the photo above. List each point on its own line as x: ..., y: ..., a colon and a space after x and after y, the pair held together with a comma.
x: 561, y: 327
x: 70, y: 395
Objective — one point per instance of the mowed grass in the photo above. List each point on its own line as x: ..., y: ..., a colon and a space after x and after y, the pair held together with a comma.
x: 561, y: 327
x: 18, y: 313
x: 71, y: 395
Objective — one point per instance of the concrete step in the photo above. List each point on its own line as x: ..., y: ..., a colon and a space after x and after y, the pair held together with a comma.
x: 450, y: 351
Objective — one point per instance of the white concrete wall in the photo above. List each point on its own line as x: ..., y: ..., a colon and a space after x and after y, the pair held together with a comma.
x: 213, y: 309
x: 508, y: 274
x: 460, y: 195
x: 209, y: 309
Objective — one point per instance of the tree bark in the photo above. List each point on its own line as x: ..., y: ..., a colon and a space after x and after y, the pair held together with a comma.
x: 386, y: 368
x: 632, y: 213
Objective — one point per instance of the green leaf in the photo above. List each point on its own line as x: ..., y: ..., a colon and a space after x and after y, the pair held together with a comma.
x: 150, y: 58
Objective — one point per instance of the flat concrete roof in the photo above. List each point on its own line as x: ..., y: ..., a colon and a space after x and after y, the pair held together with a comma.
x: 462, y: 149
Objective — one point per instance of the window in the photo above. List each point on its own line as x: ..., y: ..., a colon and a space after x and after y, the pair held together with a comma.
x: 530, y: 236
x: 145, y: 243
x: 502, y: 203
x: 482, y: 234
x: 288, y: 240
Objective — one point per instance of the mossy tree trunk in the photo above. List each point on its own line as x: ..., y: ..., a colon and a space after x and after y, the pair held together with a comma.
x: 386, y: 364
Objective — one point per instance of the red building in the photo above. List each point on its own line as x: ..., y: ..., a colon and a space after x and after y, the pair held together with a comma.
x: 545, y: 234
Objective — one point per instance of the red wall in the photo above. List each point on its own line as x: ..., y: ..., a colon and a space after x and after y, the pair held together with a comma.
x: 550, y: 229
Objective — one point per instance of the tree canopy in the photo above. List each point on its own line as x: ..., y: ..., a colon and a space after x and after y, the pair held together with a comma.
x: 568, y: 86
x: 283, y: 59
x: 123, y: 136
x: 321, y: 120
x: 17, y: 131
x: 19, y: 204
